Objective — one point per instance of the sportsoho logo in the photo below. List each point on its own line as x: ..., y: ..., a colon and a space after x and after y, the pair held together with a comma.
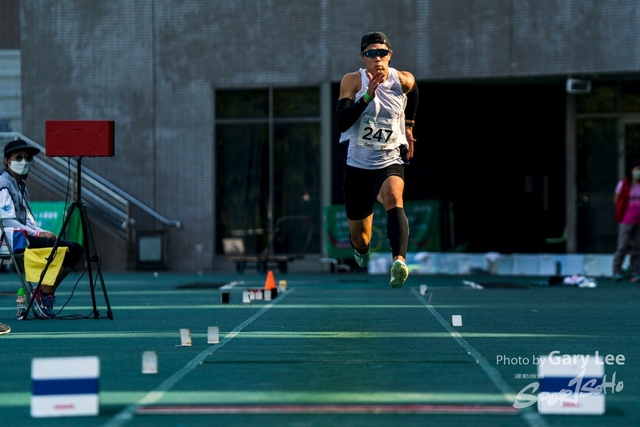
x: 564, y: 379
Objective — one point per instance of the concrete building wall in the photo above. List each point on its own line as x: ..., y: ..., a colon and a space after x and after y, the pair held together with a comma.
x: 10, y: 112
x: 153, y: 67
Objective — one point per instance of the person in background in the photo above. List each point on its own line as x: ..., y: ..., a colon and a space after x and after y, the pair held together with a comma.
x: 16, y: 213
x: 627, y: 201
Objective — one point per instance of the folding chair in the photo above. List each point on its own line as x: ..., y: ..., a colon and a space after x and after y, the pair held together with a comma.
x: 17, y: 260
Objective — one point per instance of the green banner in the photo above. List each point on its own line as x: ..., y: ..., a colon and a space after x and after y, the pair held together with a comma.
x: 50, y: 216
x: 424, y: 229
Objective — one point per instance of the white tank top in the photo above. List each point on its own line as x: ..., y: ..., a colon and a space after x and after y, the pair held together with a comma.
x: 375, y: 138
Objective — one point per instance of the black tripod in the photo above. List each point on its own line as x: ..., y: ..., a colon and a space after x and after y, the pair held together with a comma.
x: 89, y: 250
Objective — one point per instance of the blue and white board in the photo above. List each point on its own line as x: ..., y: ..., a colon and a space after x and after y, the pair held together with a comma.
x: 571, y: 384
x: 65, y: 386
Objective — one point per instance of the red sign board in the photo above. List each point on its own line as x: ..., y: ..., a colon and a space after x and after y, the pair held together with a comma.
x: 79, y: 138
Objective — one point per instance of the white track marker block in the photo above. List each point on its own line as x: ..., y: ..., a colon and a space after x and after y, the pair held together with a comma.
x: 259, y: 295
x: 560, y: 375
x: 65, y: 386
x: 282, y: 284
x: 267, y: 295
x: 456, y: 320
x: 246, y: 297
x: 423, y: 289
x: 149, y: 362
x: 185, y: 337
x: 213, y: 335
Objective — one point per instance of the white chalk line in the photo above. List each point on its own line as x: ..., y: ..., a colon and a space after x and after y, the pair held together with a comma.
x: 153, y: 396
x: 531, y: 417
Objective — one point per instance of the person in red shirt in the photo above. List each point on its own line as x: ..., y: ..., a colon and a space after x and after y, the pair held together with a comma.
x: 627, y: 200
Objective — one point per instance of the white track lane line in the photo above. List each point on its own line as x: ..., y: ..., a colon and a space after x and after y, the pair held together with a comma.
x: 531, y: 417
x: 153, y: 396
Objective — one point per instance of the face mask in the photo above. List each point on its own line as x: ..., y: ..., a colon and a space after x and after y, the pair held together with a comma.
x: 636, y: 175
x: 21, y: 167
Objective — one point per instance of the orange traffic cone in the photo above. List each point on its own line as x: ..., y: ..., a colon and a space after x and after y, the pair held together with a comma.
x: 270, y: 283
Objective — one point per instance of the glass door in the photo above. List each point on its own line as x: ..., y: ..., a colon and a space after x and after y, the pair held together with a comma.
x: 605, y: 147
x: 268, y: 168
x: 597, y: 171
x: 608, y: 139
x: 631, y: 135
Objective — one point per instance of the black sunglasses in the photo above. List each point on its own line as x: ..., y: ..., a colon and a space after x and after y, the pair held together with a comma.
x: 376, y: 52
x: 28, y: 158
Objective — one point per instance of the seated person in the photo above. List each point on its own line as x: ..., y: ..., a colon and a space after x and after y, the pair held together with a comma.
x: 15, y: 212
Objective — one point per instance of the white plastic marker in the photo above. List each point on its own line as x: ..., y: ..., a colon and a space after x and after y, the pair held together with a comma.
x: 185, y: 337
x: 213, y: 335
x: 423, y: 289
x: 65, y: 386
x: 127, y: 414
x: 456, y: 320
x: 530, y: 417
x: 473, y: 285
x: 571, y: 384
x: 246, y: 297
x: 149, y: 362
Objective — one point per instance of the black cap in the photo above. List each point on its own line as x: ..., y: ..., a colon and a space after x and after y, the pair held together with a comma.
x: 17, y: 145
x: 374, y: 38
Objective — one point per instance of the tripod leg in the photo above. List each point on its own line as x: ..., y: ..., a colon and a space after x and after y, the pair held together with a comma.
x: 89, y: 259
x: 91, y: 256
x: 104, y: 293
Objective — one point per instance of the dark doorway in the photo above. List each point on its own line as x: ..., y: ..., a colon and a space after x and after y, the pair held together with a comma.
x: 494, y: 155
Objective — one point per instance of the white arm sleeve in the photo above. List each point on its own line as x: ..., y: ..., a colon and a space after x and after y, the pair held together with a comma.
x: 8, y: 214
x: 7, y: 209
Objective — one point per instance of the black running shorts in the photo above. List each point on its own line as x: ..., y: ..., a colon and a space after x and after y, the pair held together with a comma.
x: 361, y: 188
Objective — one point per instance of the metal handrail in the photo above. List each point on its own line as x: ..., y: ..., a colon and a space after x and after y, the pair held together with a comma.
x: 108, y: 198
x: 100, y: 201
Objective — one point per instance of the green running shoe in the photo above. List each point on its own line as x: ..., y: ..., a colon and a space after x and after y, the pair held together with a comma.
x: 362, y: 259
x: 399, y: 274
